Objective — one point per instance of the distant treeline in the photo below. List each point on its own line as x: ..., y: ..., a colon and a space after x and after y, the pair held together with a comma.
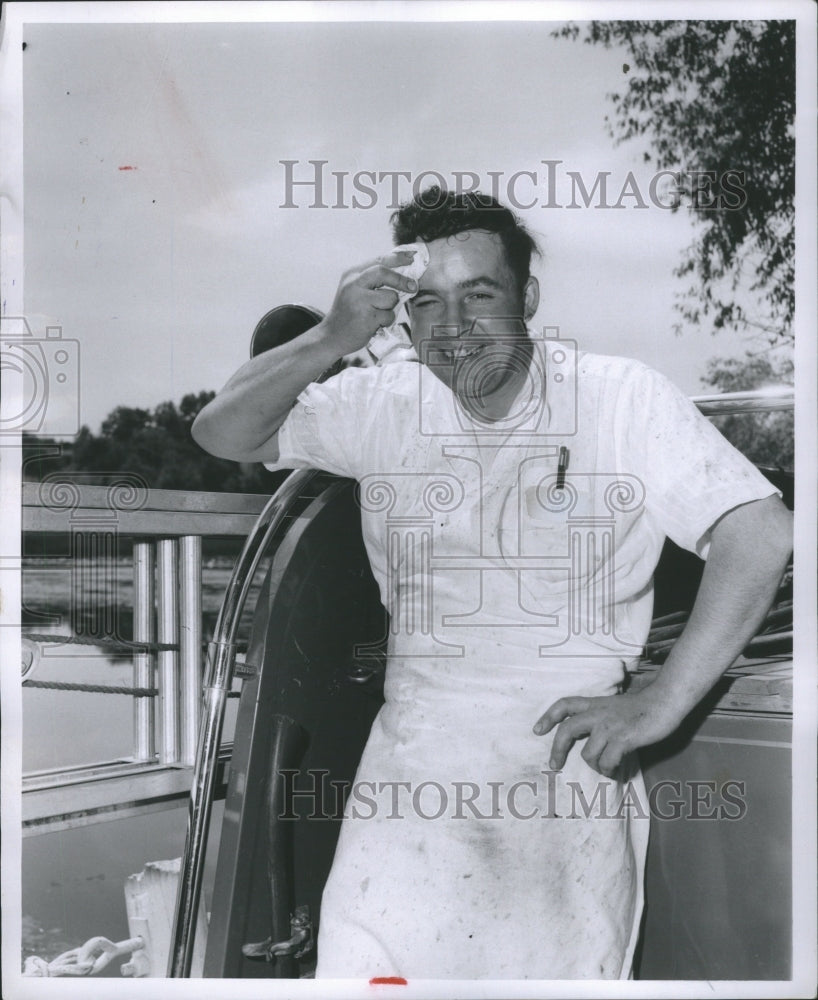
x: 156, y: 444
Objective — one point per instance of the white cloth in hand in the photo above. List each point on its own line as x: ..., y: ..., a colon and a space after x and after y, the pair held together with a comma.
x: 392, y: 343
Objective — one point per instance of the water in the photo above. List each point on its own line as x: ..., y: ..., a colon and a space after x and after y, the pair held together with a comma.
x: 72, y: 881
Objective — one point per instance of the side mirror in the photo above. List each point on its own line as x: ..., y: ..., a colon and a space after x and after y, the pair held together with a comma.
x: 285, y: 323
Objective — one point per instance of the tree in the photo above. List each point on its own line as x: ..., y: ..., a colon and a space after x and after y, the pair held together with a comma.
x: 766, y: 438
x: 124, y: 422
x: 155, y: 445
x: 718, y: 97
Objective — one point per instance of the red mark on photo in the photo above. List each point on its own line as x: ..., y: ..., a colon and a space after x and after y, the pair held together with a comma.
x: 127, y: 168
x: 388, y: 981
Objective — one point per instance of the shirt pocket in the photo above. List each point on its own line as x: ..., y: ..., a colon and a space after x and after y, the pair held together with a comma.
x: 544, y: 526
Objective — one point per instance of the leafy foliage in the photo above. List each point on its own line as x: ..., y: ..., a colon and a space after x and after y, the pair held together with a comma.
x: 718, y: 96
x: 766, y: 438
x: 154, y: 444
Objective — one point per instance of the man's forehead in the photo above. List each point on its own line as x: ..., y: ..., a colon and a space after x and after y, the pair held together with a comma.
x: 464, y: 257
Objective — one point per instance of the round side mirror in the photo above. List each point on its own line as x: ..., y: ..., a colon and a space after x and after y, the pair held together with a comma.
x: 283, y: 324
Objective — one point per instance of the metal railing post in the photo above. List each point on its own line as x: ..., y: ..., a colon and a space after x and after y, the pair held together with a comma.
x: 168, y: 659
x: 190, y: 642
x: 144, y: 565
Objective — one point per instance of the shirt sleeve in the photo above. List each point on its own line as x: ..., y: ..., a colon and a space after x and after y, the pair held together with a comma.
x: 691, y: 473
x: 323, y: 429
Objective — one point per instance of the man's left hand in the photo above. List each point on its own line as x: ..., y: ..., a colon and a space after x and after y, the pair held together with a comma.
x: 614, y: 726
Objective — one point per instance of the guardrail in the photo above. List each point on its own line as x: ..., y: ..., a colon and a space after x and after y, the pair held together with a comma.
x: 165, y: 530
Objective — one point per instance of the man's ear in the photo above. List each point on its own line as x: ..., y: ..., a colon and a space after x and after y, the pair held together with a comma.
x: 531, y: 298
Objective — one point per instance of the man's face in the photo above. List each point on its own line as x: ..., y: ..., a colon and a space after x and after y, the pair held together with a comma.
x: 468, y: 320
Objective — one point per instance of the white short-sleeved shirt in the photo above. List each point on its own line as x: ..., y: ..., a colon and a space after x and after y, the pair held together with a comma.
x: 643, y: 464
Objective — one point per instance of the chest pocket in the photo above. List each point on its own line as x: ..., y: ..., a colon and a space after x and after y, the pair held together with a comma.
x: 547, y: 517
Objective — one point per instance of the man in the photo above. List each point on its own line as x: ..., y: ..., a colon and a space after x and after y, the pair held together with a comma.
x: 514, y: 504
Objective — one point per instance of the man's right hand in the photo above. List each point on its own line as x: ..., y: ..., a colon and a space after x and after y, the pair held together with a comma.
x: 365, y: 301
x: 242, y: 421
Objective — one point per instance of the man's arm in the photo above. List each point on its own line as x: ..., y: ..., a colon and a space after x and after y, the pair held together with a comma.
x: 242, y: 421
x: 749, y: 549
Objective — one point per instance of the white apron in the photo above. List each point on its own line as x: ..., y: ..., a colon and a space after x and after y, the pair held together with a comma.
x: 470, y: 876
x: 460, y: 855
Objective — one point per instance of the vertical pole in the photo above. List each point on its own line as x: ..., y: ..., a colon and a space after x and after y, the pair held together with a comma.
x: 190, y: 643
x: 144, y: 566
x: 168, y: 632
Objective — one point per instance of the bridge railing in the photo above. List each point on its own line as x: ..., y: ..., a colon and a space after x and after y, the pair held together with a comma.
x: 87, y: 532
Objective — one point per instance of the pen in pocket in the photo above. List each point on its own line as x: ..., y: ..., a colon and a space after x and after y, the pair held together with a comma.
x: 562, y: 465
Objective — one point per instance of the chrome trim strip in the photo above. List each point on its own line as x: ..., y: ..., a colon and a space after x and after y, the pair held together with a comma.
x: 752, y: 401
x: 220, y: 662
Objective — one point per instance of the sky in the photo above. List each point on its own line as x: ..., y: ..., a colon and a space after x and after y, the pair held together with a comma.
x: 155, y: 236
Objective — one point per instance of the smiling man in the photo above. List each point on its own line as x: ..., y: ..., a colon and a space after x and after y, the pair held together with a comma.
x: 514, y: 502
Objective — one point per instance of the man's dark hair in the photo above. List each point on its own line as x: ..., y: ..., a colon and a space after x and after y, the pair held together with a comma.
x: 434, y: 214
